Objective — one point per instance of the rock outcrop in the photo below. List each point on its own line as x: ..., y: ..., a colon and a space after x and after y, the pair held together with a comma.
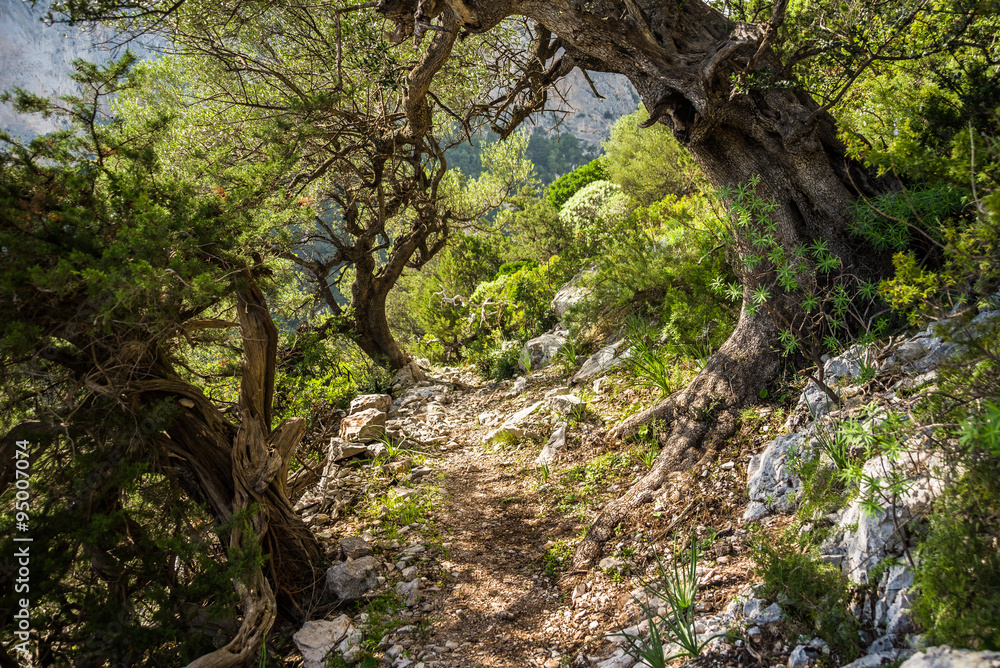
x: 380, y: 402
x: 861, y: 537
x: 353, y: 578
x: 39, y: 58
x: 946, y: 657
x: 364, y: 426
x: 318, y: 638
x: 604, y: 359
x: 572, y: 293
x: 541, y: 350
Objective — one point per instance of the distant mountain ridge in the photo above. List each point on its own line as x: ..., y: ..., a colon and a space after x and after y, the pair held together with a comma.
x: 590, y: 118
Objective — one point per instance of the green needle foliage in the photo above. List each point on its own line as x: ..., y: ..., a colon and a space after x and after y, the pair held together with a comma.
x: 647, y: 365
x: 958, y: 572
x: 119, y: 279
x: 814, y: 594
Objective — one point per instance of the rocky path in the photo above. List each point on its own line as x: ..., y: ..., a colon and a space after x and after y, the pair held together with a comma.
x: 462, y: 540
x: 499, y: 600
x: 483, y: 574
x: 498, y: 605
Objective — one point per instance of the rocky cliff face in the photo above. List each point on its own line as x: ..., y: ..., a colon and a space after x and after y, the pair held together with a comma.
x: 39, y: 58
x: 587, y: 116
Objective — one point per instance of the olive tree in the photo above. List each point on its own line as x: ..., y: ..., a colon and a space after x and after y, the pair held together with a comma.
x: 369, y: 131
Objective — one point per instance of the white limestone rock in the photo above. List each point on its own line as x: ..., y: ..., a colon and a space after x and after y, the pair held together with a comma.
x: 572, y: 292
x: 946, y: 657
x: 365, y: 426
x: 354, y: 547
x: 878, y: 659
x: 555, y: 445
x: 340, y: 449
x: 802, y: 657
x: 565, y: 404
x: 846, y: 366
x: 606, y: 358
x: 512, y: 425
x: 771, y: 485
x: 755, y: 613
x: 618, y: 660
x: 366, y: 401
x: 352, y: 579
x: 541, y: 350
x: 317, y: 638
x: 408, y: 376
x: 409, y: 591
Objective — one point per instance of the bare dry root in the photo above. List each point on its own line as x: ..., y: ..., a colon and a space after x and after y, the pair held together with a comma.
x: 691, y: 441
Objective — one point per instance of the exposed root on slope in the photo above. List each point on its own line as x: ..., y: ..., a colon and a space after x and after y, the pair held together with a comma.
x: 691, y: 442
x: 700, y: 418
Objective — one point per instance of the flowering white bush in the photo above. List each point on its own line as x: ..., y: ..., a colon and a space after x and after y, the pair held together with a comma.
x: 594, y: 211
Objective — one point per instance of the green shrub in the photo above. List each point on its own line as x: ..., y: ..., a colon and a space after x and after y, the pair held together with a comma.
x: 129, y: 567
x: 563, y: 188
x: 814, y: 594
x: 946, y: 229
x: 372, y: 378
x: 320, y: 378
x: 511, y: 268
x: 660, y: 260
x: 497, y: 360
x: 429, y: 308
x: 649, y: 164
x: 594, y: 212
x: 958, y: 570
x: 539, y: 233
x: 471, y: 259
x: 823, y: 489
x: 940, y: 138
x: 887, y: 221
x: 514, y: 305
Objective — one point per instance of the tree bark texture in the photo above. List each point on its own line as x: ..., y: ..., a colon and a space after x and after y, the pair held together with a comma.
x: 785, y: 140
x: 370, y: 324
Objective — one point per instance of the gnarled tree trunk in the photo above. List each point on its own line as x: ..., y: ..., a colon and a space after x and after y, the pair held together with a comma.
x: 241, y: 473
x: 682, y: 58
x: 785, y: 140
x: 371, y: 326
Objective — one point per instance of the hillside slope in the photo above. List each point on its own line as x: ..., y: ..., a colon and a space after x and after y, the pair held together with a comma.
x: 587, y: 116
